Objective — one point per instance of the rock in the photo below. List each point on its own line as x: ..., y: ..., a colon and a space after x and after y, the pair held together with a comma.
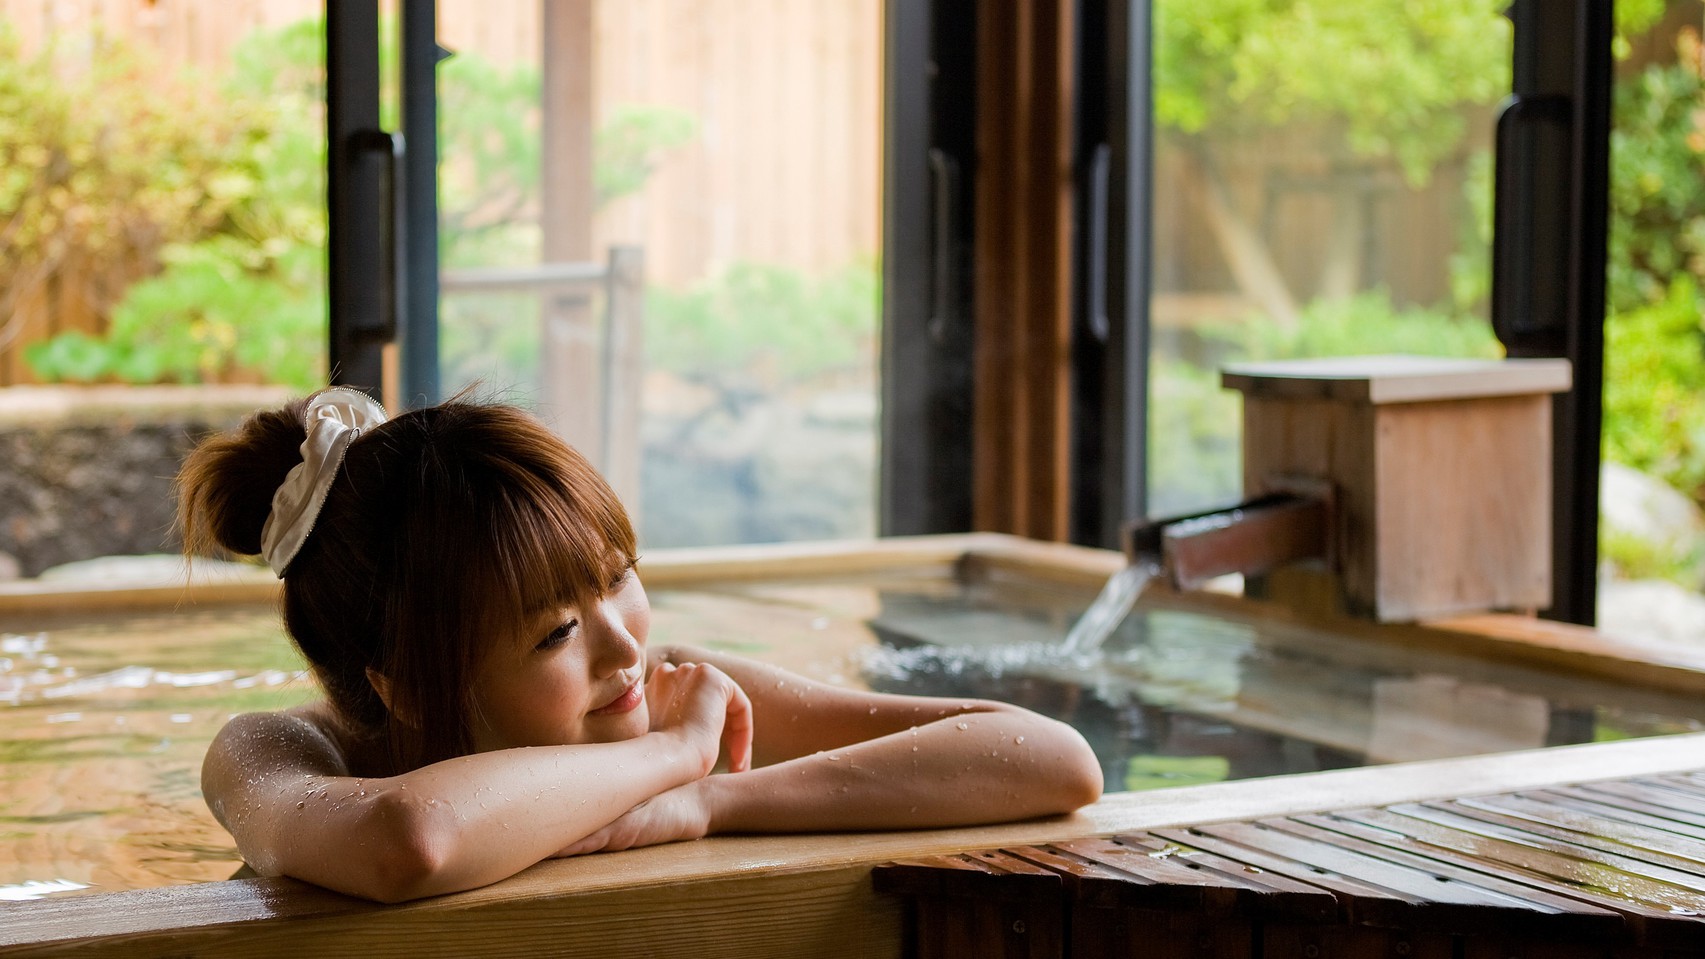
x: 156, y: 569
x: 1652, y: 612
x: 1649, y: 528
x: 1632, y: 503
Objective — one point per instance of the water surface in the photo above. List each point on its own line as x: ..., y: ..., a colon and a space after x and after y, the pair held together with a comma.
x: 103, y: 721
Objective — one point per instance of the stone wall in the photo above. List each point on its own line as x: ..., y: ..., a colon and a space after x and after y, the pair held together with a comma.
x: 87, y: 471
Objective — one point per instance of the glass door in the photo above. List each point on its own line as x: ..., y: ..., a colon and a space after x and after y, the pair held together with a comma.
x: 659, y: 230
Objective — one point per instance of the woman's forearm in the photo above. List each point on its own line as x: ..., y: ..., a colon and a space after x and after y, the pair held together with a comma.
x: 971, y: 768
x: 469, y: 821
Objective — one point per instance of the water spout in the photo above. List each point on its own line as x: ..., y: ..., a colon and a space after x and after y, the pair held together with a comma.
x: 1250, y: 538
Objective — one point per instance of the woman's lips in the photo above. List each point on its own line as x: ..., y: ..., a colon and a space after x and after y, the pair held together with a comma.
x: 630, y: 698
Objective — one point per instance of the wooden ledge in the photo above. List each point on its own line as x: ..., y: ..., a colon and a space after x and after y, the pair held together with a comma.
x: 1500, y: 637
x: 740, y: 896
x: 663, y: 568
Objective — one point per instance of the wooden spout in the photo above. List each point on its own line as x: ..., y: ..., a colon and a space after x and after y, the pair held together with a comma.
x: 1251, y: 538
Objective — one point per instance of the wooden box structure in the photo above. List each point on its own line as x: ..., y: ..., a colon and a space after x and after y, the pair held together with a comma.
x: 1437, y: 472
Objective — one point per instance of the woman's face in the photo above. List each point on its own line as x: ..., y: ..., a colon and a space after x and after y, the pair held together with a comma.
x: 575, y: 676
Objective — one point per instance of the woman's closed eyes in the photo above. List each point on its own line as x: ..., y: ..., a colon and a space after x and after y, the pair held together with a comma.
x: 558, y: 636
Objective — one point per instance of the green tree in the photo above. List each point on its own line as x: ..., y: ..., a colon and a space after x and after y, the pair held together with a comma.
x: 1379, y: 83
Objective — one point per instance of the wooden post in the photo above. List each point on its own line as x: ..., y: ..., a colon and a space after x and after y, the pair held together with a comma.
x: 1022, y: 283
x: 568, y: 342
x: 624, y: 372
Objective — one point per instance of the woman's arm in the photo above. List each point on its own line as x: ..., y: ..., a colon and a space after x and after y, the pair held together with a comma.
x: 281, y: 785
x: 834, y: 759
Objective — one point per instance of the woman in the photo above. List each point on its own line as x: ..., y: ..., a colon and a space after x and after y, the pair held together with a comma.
x: 463, y: 585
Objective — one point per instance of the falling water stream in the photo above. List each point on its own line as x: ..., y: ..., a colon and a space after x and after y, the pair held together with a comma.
x: 1110, y: 608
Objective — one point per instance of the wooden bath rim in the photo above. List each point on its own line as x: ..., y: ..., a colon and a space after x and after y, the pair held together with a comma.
x: 810, y: 895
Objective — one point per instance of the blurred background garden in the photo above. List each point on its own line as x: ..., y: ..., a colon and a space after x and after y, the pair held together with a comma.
x: 1322, y: 187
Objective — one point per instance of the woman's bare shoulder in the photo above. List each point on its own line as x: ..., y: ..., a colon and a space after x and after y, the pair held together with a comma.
x: 309, y: 738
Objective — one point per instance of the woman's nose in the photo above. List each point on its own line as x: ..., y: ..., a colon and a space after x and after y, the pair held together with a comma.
x: 616, y: 647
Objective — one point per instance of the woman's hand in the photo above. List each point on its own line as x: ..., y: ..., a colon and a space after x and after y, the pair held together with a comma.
x: 681, y: 813
x: 706, y: 708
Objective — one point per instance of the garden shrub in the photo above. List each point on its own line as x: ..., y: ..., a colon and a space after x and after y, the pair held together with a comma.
x: 101, y: 167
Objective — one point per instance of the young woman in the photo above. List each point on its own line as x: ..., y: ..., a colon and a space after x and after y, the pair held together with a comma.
x: 463, y: 585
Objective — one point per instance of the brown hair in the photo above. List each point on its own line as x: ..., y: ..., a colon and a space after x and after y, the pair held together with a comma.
x: 444, y: 530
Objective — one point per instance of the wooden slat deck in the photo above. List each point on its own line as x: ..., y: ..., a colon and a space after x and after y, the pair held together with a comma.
x: 1609, y: 868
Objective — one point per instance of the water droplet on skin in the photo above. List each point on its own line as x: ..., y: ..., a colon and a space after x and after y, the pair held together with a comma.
x: 834, y: 758
x: 1019, y: 740
x: 962, y: 725
x: 873, y: 710
x: 302, y: 805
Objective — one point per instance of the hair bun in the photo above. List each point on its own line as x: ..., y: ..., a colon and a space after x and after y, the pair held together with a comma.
x: 226, y: 485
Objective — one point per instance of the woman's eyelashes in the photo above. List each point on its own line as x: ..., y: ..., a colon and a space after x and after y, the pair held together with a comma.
x: 620, y: 578
x: 558, y: 636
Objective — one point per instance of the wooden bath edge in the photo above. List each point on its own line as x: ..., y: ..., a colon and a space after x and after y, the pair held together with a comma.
x: 745, y: 896
x: 1496, y: 636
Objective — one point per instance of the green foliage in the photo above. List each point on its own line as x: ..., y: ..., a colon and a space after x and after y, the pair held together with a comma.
x: 1368, y: 323
x: 632, y: 142
x: 101, y: 167
x: 1654, y: 378
x: 234, y: 185
x: 1394, y: 74
x: 245, y: 293
x: 1657, y: 183
x: 769, y: 321
x: 1635, y: 557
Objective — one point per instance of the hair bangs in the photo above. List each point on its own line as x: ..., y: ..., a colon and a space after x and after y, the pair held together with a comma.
x: 558, y: 535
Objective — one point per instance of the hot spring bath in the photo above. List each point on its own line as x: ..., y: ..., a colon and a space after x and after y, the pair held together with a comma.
x: 104, y: 716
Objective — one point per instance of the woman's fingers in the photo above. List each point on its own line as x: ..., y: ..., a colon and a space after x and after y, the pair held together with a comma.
x: 737, y: 729
x: 700, y: 692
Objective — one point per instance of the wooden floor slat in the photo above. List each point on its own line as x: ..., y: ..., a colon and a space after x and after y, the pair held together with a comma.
x: 1567, y: 916
x: 1616, y: 810
x: 1612, y: 868
x: 1563, y: 850
x: 1644, y: 845
x: 1679, y: 806
x: 1582, y: 823
x: 1660, y: 914
x: 1682, y: 783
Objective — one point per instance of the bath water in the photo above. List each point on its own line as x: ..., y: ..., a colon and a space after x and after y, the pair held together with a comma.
x: 104, y: 719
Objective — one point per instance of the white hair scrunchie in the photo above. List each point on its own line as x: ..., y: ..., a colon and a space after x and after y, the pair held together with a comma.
x: 334, y: 419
